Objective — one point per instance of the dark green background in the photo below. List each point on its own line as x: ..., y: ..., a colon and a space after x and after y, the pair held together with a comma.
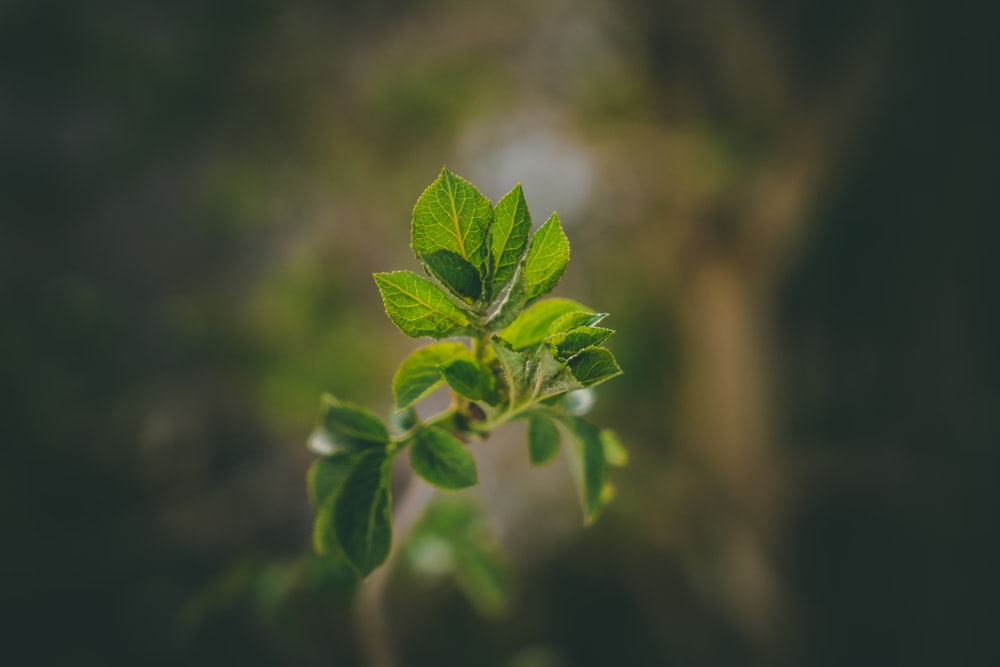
x: 193, y: 196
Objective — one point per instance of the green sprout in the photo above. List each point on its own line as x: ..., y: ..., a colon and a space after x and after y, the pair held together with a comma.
x: 526, y: 359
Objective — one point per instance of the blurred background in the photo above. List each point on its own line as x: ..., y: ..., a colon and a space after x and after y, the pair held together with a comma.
x: 784, y: 205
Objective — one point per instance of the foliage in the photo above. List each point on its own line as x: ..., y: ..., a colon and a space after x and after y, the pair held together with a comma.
x: 527, y: 360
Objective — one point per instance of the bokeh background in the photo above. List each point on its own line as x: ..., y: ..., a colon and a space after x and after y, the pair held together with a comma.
x: 787, y: 206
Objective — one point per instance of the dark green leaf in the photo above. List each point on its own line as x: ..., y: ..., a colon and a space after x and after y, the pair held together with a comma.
x: 442, y: 460
x: 453, y: 215
x: 419, y: 307
x: 543, y: 439
x: 591, y: 466
x: 324, y: 534
x: 471, y: 379
x: 532, y: 325
x: 516, y: 367
x: 325, y: 478
x: 593, y: 366
x: 511, y: 228
x: 569, y: 343
x: 455, y: 273
x: 349, y: 427
x: 326, y: 475
x: 420, y: 373
x: 362, y: 513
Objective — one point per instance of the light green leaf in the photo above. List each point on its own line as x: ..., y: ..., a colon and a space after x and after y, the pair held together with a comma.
x: 537, y: 274
x: 532, y: 325
x: 419, y: 307
x: 442, y: 460
x: 590, y: 466
x: 420, y: 373
x: 455, y: 273
x: 361, y: 515
x: 543, y: 439
x: 453, y: 215
x: 547, y: 258
x: 593, y: 366
x: 471, y: 379
x: 511, y: 228
x: 614, y: 450
x: 349, y: 427
x: 569, y: 343
x: 570, y: 321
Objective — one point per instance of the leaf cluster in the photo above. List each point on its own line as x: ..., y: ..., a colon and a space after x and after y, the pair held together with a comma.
x: 527, y: 359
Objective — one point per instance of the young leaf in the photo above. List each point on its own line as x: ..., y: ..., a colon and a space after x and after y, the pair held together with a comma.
x: 442, y: 460
x: 420, y: 373
x: 573, y: 320
x: 593, y: 366
x: 590, y: 465
x: 531, y: 326
x: 361, y: 515
x: 348, y: 427
x: 569, y: 343
x: 516, y: 365
x: 511, y: 228
x: 471, y: 379
x: 455, y: 273
x: 547, y: 258
x: 537, y: 274
x: 419, y: 307
x: 453, y: 215
x: 553, y: 376
x: 543, y: 439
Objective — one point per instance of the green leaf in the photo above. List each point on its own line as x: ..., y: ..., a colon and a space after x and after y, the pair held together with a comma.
x: 516, y: 366
x: 471, y: 379
x: 547, y: 258
x: 531, y: 326
x: 442, y: 460
x: 614, y: 450
x: 537, y: 274
x: 511, y: 228
x: 593, y: 366
x: 361, y: 515
x: 590, y: 466
x: 569, y: 343
x: 455, y: 273
x: 325, y: 478
x: 543, y: 439
x: 419, y: 307
x: 453, y: 215
x: 553, y: 376
x: 349, y: 427
x: 573, y: 320
x: 420, y: 373
x: 326, y: 475
x: 324, y: 534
